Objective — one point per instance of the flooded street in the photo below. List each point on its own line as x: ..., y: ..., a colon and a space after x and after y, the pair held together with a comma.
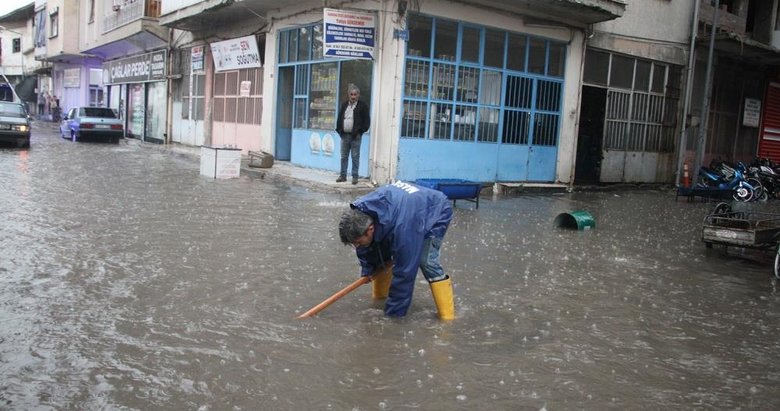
x: 128, y: 281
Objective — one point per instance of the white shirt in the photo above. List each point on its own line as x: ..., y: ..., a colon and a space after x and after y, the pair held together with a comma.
x: 349, y: 118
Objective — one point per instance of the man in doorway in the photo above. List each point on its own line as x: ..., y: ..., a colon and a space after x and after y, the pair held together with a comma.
x: 353, y: 120
x: 401, y: 225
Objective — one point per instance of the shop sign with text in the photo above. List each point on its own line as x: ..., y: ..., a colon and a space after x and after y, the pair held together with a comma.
x: 136, y: 69
x: 349, y: 34
x: 236, y: 54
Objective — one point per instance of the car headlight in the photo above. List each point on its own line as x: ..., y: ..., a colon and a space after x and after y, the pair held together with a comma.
x: 20, y: 127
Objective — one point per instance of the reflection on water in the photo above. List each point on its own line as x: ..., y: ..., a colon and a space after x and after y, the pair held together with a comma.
x: 129, y: 281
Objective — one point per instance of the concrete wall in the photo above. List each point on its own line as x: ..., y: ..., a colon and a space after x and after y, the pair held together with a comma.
x: 651, y: 29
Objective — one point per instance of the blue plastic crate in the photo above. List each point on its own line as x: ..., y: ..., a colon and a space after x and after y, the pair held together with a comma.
x: 454, y: 189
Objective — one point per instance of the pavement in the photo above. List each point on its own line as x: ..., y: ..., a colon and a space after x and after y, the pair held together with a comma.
x: 280, y: 172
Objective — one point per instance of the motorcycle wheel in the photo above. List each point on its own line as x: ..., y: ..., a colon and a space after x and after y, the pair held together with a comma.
x: 777, y: 265
x: 743, y: 193
x: 759, y: 192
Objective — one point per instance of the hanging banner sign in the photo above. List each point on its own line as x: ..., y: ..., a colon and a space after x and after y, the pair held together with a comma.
x: 235, y: 54
x: 136, y: 69
x: 349, y: 34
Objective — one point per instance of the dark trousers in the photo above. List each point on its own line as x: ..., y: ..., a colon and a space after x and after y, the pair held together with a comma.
x: 350, y: 144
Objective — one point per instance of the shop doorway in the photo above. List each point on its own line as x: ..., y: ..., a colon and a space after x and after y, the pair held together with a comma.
x: 284, y: 113
x: 591, y: 132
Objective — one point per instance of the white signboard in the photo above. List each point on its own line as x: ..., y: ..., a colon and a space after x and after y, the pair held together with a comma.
x: 349, y: 34
x: 244, y: 88
x: 752, y: 113
x: 71, y: 78
x: 235, y: 54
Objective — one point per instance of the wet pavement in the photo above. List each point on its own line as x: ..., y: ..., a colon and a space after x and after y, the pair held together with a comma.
x: 129, y: 281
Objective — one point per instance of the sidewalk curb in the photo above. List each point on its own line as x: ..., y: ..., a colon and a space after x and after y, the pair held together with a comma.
x: 275, y: 174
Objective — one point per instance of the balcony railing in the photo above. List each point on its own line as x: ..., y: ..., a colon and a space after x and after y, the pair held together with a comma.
x: 122, y: 12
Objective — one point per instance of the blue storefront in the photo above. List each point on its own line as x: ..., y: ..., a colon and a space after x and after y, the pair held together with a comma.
x: 476, y: 102
x: 479, y: 103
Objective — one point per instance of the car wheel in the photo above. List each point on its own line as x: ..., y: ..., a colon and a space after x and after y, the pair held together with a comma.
x: 72, y: 136
x: 25, y: 144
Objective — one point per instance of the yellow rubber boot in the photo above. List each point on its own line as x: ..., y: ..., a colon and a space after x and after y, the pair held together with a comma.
x: 442, y: 296
x: 381, y: 281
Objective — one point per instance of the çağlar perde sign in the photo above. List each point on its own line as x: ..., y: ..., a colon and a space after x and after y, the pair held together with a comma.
x: 146, y: 67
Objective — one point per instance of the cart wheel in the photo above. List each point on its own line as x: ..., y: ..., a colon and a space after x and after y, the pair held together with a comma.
x: 722, y: 208
x: 777, y: 266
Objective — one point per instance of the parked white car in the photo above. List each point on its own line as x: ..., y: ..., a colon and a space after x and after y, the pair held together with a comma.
x: 92, y: 123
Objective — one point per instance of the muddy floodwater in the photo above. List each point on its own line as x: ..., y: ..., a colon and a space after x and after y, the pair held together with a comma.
x: 128, y: 281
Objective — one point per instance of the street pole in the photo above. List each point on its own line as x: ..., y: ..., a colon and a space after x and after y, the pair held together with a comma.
x: 682, y: 148
x: 705, y: 105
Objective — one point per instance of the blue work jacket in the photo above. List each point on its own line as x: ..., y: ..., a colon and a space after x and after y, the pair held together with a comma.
x: 404, y: 216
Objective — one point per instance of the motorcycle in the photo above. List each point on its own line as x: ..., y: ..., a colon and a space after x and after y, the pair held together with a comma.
x: 721, y: 176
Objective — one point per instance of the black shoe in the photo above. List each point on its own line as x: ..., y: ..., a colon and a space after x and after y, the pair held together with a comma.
x: 341, y: 179
x: 354, y: 180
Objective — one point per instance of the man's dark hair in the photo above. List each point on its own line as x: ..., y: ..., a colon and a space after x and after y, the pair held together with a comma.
x: 353, y: 225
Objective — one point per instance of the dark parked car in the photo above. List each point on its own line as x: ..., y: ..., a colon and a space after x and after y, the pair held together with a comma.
x: 14, y: 124
x: 92, y: 122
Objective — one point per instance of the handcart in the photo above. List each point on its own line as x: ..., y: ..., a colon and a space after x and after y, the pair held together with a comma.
x: 746, y: 229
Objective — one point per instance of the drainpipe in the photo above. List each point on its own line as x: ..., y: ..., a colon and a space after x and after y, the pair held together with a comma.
x: 169, y: 102
x: 688, y: 90
x: 705, y: 105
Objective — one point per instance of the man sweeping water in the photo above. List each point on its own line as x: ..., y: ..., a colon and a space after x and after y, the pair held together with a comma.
x: 402, y: 225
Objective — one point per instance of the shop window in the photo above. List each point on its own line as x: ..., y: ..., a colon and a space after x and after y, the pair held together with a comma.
x: 494, y: 48
x: 304, y: 43
x: 555, y: 64
x: 420, y: 30
x: 537, y: 56
x: 516, y: 54
x: 596, y: 67
x: 642, y: 77
x: 316, y: 42
x: 284, y: 46
x: 621, y: 72
x: 322, y: 96
x: 292, y: 49
x: 319, y: 84
x: 357, y: 72
x: 659, y: 78
x: 475, y: 96
x: 446, y: 42
x: 470, y: 49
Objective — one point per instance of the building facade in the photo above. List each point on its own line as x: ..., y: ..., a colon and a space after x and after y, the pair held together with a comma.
x: 450, y: 96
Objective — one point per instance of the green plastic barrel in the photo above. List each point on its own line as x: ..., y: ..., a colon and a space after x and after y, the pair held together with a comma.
x: 578, y: 220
